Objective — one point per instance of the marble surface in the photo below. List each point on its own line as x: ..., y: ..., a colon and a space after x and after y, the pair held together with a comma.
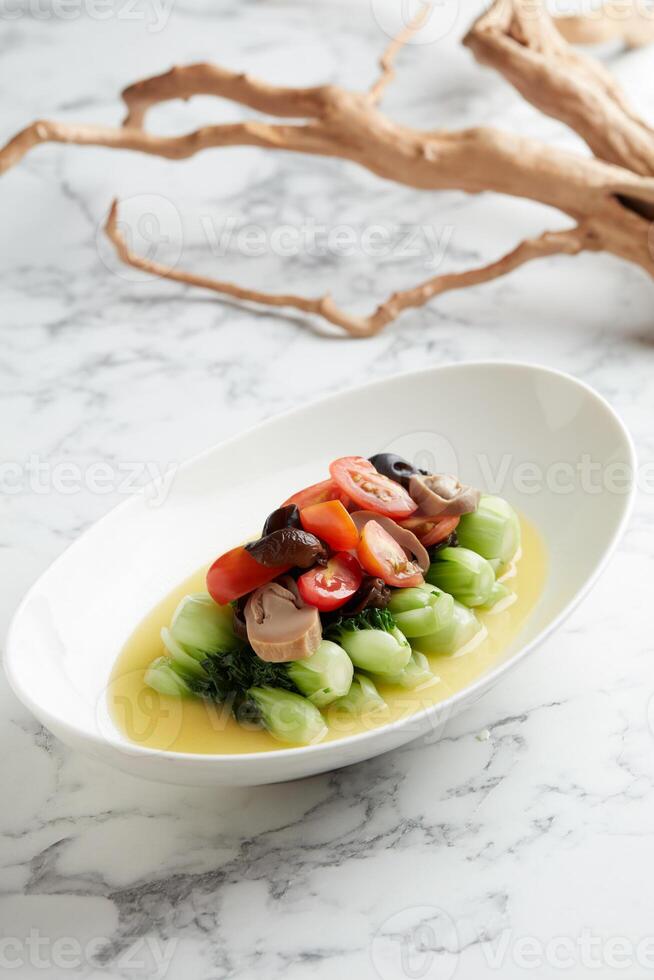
x: 524, y: 850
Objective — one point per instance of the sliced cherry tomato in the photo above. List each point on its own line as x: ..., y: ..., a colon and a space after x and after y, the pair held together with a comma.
x: 439, y: 531
x: 331, y: 523
x: 317, y: 493
x: 382, y: 556
x: 236, y: 573
x: 369, y: 489
x: 331, y: 586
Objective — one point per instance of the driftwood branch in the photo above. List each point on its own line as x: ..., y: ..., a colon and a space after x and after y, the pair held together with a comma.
x: 551, y: 243
x: 609, y: 196
x: 614, y: 21
x: 387, y: 60
x: 530, y: 52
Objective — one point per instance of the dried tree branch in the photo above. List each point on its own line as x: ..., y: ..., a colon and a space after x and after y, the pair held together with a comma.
x: 252, y: 133
x: 570, y: 242
x: 387, y: 60
x: 635, y: 27
x: 472, y: 160
x: 609, y: 197
x: 519, y: 39
x: 183, y: 82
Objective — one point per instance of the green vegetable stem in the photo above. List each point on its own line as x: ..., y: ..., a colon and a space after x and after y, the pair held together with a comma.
x: 417, y: 674
x: 464, y: 574
x: 288, y: 717
x: 418, y: 611
x: 372, y: 641
x: 493, y: 530
x: 462, y: 628
x: 324, y: 676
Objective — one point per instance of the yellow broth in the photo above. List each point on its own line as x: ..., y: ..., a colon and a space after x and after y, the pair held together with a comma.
x: 193, y: 725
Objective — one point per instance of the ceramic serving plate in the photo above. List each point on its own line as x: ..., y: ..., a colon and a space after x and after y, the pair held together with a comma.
x: 546, y: 442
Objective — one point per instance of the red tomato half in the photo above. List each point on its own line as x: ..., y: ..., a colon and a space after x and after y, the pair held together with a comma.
x: 331, y: 523
x: 381, y: 555
x: 317, y: 493
x: 330, y: 587
x: 236, y: 573
x: 440, y: 530
x: 371, y: 490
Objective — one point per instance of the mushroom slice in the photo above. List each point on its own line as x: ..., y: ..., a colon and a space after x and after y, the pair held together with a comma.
x: 405, y: 538
x: 280, y: 626
x: 440, y: 495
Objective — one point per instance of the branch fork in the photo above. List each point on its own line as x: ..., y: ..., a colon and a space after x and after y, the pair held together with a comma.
x: 608, y: 196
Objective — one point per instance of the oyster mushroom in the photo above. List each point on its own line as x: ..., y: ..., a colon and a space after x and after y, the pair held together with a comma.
x: 280, y: 626
x: 405, y: 538
x: 440, y: 495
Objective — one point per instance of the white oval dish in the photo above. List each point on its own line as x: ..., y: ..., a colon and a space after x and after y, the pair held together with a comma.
x: 486, y: 421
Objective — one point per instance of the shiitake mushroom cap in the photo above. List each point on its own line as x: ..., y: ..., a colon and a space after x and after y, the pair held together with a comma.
x: 288, y: 516
x: 289, y: 546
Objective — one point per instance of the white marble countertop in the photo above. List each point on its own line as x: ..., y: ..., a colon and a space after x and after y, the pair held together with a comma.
x: 528, y: 852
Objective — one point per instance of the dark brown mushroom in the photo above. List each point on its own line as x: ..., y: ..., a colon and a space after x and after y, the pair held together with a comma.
x: 405, y: 538
x: 288, y: 516
x: 373, y: 593
x: 289, y: 546
x: 440, y: 495
x: 280, y: 627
